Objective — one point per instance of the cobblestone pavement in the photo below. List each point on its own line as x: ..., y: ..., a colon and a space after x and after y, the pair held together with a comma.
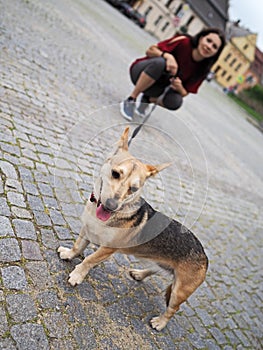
x: 64, y: 68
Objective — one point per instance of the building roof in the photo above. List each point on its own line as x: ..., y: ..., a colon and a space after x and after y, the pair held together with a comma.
x: 214, y: 13
x: 234, y: 30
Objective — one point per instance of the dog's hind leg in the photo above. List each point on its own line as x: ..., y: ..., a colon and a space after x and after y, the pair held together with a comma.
x: 139, y: 275
x: 81, y: 270
x: 78, y: 247
x: 188, y: 279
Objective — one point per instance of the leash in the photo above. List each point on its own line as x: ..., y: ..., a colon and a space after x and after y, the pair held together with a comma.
x: 138, y: 128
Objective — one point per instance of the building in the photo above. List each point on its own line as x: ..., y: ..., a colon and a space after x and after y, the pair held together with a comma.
x: 167, y: 17
x: 233, y: 66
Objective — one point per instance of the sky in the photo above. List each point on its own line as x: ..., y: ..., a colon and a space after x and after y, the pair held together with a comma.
x: 250, y: 12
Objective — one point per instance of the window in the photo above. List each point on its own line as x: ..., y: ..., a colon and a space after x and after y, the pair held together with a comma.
x: 149, y: 9
x: 165, y: 26
x: 190, y: 20
x: 233, y: 62
x: 158, y: 20
x: 168, y: 3
x: 238, y: 67
x: 217, y: 69
x: 178, y: 10
x: 229, y: 78
x: 223, y: 73
x: 245, y: 46
x: 227, y: 57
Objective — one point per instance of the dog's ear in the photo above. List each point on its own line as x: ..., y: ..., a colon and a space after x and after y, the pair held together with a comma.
x: 122, y: 144
x: 155, y: 169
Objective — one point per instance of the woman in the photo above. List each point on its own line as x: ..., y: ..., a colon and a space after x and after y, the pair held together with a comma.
x: 172, y: 69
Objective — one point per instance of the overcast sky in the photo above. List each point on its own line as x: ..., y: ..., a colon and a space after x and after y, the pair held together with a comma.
x: 250, y: 12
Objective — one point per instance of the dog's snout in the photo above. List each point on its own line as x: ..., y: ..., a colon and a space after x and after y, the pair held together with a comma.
x: 111, y: 204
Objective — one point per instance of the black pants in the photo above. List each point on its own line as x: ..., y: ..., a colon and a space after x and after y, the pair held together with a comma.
x: 156, y: 68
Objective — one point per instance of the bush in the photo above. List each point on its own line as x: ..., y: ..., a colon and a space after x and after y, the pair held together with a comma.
x: 253, y: 98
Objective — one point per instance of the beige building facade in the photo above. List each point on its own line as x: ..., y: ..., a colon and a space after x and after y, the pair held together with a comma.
x: 233, y: 65
x: 165, y: 18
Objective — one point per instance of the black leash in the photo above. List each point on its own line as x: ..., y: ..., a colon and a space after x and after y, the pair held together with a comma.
x: 138, y: 128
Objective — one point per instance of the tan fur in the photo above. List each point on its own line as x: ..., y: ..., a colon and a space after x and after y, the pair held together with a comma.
x: 120, y: 175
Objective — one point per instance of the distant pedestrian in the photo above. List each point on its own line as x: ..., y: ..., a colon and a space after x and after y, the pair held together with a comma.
x: 172, y: 69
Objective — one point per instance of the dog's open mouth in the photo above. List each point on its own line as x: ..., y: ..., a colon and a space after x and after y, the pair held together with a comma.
x: 102, y: 213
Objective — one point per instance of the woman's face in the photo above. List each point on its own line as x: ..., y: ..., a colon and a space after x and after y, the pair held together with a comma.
x: 209, y: 45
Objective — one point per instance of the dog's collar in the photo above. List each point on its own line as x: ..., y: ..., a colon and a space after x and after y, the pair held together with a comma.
x: 92, y: 198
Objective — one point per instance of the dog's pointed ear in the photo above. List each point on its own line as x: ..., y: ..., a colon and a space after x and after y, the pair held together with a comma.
x: 155, y: 169
x: 122, y: 144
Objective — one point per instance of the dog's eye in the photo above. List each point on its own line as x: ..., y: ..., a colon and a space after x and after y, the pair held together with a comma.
x: 133, y: 189
x: 115, y: 174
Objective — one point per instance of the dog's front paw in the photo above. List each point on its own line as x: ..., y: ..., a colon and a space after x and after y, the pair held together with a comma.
x: 159, y: 322
x: 65, y: 253
x: 76, y: 276
x: 137, y: 275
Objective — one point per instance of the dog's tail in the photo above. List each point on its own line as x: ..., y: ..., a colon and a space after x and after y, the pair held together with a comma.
x: 168, y: 294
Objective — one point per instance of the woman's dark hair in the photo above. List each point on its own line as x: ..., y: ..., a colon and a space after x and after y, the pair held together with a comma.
x: 208, y: 62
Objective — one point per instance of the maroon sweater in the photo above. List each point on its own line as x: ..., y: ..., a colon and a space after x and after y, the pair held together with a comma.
x: 189, y: 71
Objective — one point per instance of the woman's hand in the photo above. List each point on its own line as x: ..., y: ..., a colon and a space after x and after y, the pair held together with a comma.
x: 177, y: 85
x: 171, y: 64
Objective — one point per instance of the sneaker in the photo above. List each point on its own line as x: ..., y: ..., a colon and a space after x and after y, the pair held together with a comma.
x: 127, y: 108
x: 144, y: 107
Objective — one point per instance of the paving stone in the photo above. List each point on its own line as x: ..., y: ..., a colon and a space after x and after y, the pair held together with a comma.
x: 45, y: 189
x: 39, y: 274
x: 9, y: 250
x: 21, y: 212
x: 3, y: 321
x: 24, y: 229
x: 4, y: 208
x: 56, y: 325
x: 14, y: 277
x: 7, y: 344
x: 42, y: 219
x: 8, y: 169
x: 15, y: 185
x: 21, y: 307
x: 63, y: 232
x: 49, y: 300
x: 48, y: 239
x: 6, y: 228
x: 85, y: 338
x: 56, y: 217
x: 29, y: 336
x: 62, y: 344
x: 35, y: 203
x: 16, y: 199
x: 31, y: 250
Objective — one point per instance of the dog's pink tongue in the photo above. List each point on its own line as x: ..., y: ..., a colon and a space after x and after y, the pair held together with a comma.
x: 102, y: 213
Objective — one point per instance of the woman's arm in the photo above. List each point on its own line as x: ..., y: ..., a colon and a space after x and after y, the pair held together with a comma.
x: 171, y: 64
x: 177, y: 85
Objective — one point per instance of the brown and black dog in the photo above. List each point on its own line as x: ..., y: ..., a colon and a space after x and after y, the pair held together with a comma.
x: 118, y: 219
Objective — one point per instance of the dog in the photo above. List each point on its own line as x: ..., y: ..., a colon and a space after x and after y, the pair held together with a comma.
x: 118, y: 219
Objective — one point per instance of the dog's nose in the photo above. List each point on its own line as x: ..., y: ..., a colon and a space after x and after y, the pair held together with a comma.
x: 111, y: 204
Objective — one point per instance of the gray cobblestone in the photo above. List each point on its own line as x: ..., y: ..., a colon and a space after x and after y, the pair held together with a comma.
x: 24, y: 229
x: 31, y: 251
x: 14, y: 277
x: 39, y: 274
x: 29, y: 336
x: 6, y: 228
x: 21, y: 307
x: 9, y: 250
x: 4, y: 208
x: 56, y: 325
